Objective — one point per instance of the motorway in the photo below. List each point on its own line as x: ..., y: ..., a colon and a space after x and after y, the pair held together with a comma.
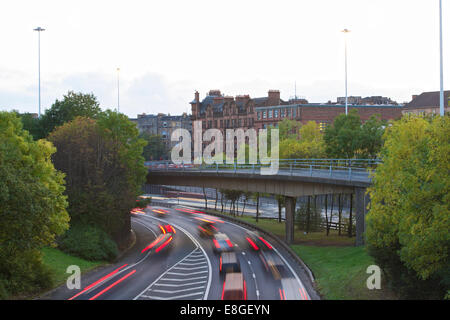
x: 185, y: 266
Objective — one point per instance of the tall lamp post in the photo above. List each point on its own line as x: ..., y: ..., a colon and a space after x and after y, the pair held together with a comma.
x: 345, y: 31
x: 118, y: 92
x: 39, y: 29
x: 441, y: 102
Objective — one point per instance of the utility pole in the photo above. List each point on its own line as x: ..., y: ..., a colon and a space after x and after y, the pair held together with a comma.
x: 441, y: 100
x: 345, y: 31
x: 39, y: 29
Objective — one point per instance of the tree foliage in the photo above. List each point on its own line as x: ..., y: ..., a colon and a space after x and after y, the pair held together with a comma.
x: 348, y: 138
x: 33, y: 207
x: 72, y: 105
x: 409, y: 219
x: 155, y: 148
x: 308, y: 143
x: 103, y: 162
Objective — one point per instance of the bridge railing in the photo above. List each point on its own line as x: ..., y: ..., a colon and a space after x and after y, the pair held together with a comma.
x: 348, y: 169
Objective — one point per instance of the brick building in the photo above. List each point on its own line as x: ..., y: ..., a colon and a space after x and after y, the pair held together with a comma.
x: 223, y: 112
x: 163, y: 125
x: 427, y: 103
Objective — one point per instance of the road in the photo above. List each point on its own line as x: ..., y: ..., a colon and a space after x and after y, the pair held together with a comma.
x: 186, y: 267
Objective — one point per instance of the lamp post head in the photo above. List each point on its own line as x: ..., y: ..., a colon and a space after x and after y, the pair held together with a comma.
x: 39, y: 29
x: 345, y: 31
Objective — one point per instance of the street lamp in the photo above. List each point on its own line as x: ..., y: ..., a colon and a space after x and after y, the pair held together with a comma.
x: 441, y: 102
x: 39, y: 29
x: 118, y: 96
x: 345, y: 31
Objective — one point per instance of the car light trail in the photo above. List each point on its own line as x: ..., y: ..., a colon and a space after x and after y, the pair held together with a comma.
x: 151, y: 245
x: 265, y: 242
x: 254, y: 246
x: 216, y: 244
x: 112, y: 285
x: 98, y: 281
x: 163, y: 245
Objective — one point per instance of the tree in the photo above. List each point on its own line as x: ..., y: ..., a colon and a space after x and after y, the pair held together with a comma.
x: 32, y: 125
x: 308, y: 144
x: 289, y: 129
x: 72, y: 105
x: 348, y: 138
x: 33, y: 207
x: 105, y: 170
x: 408, y: 220
x: 342, y: 137
x: 155, y: 148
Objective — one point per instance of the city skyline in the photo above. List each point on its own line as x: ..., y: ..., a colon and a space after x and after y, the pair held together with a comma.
x: 246, y: 48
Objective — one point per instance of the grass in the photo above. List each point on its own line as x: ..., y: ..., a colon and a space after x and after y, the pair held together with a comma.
x: 340, y: 272
x: 58, y: 262
x: 338, y: 266
x: 312, y: 238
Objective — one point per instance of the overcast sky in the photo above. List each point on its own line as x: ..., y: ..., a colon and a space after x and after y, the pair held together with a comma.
x: 168, y: 49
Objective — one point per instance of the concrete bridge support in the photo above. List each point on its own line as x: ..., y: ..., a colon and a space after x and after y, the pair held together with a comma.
x: 290, y: 214
x: 361, y: 202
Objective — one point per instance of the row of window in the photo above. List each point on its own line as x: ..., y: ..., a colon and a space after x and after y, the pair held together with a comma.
x: 228, y: 123
x: 277, y: 113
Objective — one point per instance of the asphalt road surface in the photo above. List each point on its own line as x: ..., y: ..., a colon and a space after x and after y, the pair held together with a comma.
x: 170, y: 260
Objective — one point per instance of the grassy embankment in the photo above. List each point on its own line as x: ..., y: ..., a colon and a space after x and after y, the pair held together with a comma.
x: 58, y: 261
x: 338, y: 266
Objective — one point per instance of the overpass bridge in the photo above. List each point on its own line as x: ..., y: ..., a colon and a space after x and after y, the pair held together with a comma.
x: 294, y: 178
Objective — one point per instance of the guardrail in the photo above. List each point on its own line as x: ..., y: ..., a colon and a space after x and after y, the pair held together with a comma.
x: 345, y: 169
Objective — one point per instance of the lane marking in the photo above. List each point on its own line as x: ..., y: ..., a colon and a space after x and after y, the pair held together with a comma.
x: 199, y: 246
x: 173, y: 298
x: 284, y: 260
x: 112, y: 285
x: 177, y: 291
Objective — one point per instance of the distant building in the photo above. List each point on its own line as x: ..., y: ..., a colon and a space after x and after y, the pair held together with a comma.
x: 427, y: 103
x: 374, y: 100
x: 227, y: 112
x: 163, y: 125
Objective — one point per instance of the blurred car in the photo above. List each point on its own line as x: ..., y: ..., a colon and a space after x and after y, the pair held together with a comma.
x: 290, y: 290
x: 207, y: 230
x: 160, y: 212
x: 161, y: 242
x: 222, y: 243
x: 257, y: 242
x: 234, y: 287
x: 228, y: 263
x: 272, y: 263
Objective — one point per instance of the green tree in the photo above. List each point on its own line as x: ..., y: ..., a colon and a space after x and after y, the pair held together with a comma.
x: 71, y: 106
x: 371, y: 137
x: 409, y: 218
x: 342, y: 138
x: 309, y: 143
x: 33, y: 207
x: 32, y: 125
x: 105, y: 170
x: 155, y: 148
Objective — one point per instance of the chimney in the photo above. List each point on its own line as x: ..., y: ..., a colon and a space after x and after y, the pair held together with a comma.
x: 228, y: 99
x: 273, y: 98
x: 197, y: 96
x: 414, y: 96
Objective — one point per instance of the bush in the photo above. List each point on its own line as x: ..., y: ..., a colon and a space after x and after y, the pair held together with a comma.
x: 24, y: 274
x: 88, y: 242
x: 408, y: 220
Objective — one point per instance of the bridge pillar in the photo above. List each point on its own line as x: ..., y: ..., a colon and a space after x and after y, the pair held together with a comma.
x: 290, y: 214
x: 361, y: 202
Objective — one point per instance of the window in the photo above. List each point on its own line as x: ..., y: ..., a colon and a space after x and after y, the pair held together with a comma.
x: 264, y: 115
x: 283, y: 112
x: 259, y: 115
x: 239, y: 123
x: 221, y: 123
x: 245, y: 122
x: 275, y: 113
x: 215, y: 123
x: 270, y: 113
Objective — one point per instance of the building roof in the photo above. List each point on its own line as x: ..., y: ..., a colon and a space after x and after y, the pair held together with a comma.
x: 326, y: 105
x: 428, y: 99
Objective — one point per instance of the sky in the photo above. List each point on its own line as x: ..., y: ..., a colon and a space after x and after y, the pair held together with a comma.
x: 166, y: 50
